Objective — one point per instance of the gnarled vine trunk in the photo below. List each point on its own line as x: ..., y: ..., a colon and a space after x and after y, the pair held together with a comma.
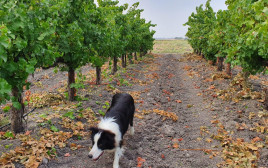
x: 220, y: 63
x: 98, y: 75
x: 245, y: 75
x: 123, y: 58
x: 228, y: 69
x: 135, y: 56
x: 17, y: 125
x: 266, y: 98
x: 114, y: 65
x: 71, y: 80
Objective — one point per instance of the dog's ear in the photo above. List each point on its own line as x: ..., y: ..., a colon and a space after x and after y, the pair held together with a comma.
x: 108, y: 138
x: 94, y: 130
x: 108, y: 135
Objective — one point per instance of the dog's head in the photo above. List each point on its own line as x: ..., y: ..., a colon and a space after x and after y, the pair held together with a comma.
x: 101, y: 140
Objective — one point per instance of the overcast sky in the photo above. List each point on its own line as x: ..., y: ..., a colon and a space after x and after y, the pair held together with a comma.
x: 170, y: 15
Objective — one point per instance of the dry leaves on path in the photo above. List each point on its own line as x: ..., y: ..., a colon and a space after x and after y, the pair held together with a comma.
x: 140, y: 161
x: 165, y: 114
x: 236, y: 151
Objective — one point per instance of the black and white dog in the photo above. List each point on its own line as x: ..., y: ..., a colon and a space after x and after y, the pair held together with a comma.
x: 110, y: 131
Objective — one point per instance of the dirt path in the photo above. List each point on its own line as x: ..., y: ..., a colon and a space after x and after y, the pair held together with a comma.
x: 158, y: 141
x: 162, y: 86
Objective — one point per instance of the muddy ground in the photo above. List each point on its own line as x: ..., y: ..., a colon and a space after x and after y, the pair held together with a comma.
x: 164, y: 84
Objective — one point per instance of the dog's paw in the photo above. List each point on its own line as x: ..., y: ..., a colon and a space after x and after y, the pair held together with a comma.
x: 132, y: 131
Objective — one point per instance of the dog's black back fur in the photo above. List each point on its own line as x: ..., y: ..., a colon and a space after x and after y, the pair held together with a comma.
x: 122, y: 110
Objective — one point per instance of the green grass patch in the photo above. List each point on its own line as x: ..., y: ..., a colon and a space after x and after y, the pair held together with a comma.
x: 171, y: 46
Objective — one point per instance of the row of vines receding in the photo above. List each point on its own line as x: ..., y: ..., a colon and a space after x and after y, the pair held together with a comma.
x: 239, y: 34
x: 45, y: 33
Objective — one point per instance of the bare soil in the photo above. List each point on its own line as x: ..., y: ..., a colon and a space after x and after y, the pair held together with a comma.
x: 153, y: 139
x: 164, y: 84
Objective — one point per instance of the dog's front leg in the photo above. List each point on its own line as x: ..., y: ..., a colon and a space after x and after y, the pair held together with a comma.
x: 118, y: 153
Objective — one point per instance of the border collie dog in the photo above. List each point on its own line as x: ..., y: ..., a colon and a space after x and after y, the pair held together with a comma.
x: 110, y: 131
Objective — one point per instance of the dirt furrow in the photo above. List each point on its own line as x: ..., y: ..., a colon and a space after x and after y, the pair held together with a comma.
x: 168, y: 91
x: 158, y: 140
